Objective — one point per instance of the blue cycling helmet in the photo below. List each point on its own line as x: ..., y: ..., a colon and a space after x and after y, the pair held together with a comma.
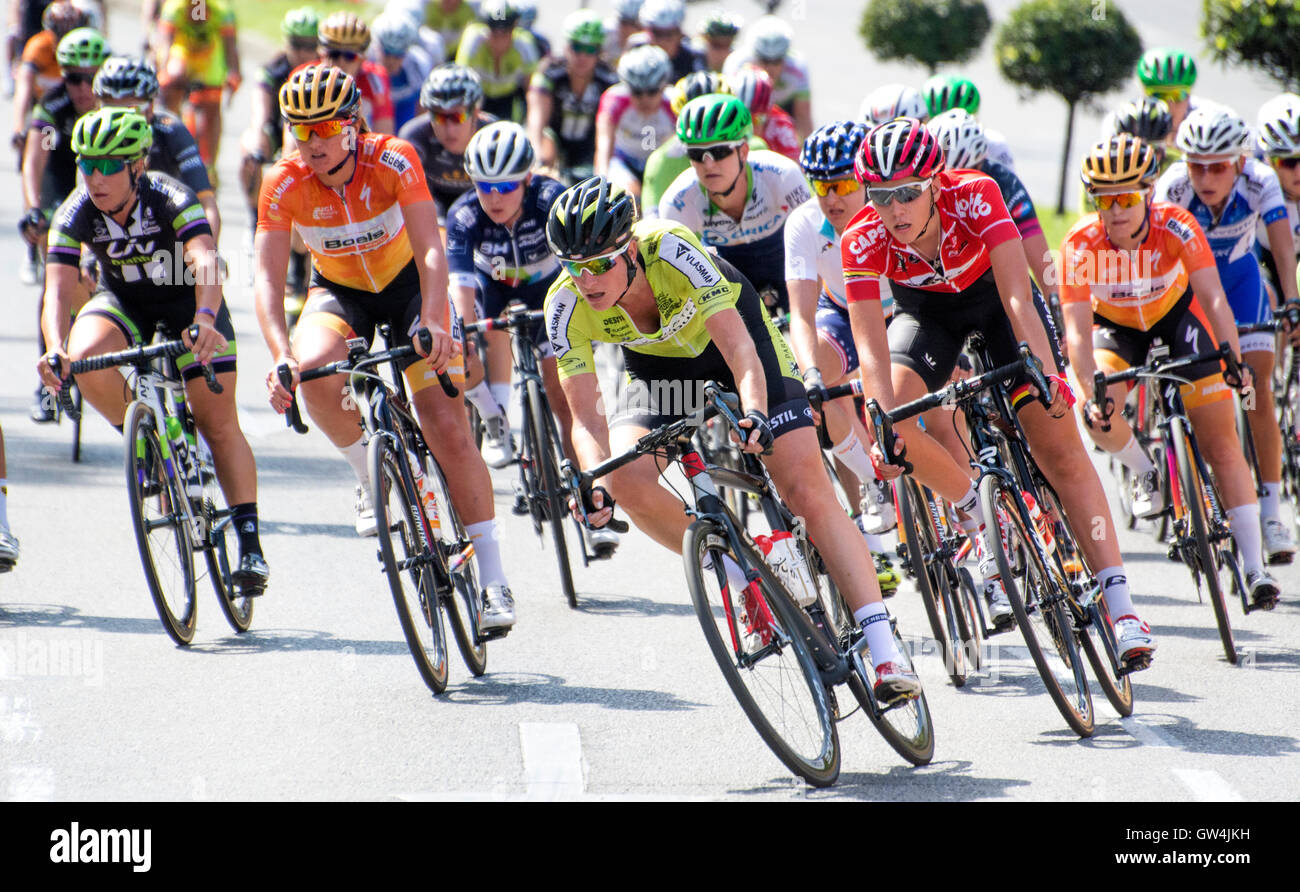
x: 828, y: 152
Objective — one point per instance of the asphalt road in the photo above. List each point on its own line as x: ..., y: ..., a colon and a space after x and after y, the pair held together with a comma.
x: 619, y: 699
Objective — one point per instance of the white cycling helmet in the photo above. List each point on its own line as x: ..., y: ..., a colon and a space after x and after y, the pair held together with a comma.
x: 628, y: 10
x: 962, y: 137
x: 663, y: 14
x: 771, y: 37
x: 395, y: 32
x: 893, y: 101
x: 410, y: 9
x: 645, y: 67
x: 499, y: 153
x: 93, y: 13
x: 1213, y: 131
x: 527, y: 10
x: 1279, y: 125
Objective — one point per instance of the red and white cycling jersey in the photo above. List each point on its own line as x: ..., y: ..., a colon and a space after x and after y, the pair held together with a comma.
x: 636, y: 135
x: 372, y: 83
x: 780, y: 134
x: 972, y: 220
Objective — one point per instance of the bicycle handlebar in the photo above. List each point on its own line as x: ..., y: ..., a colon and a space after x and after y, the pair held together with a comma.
x: 508, y: 320
x: 1164, y: 367
x: 1287, y: 316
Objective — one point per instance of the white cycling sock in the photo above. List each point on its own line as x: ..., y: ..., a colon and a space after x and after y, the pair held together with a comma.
x: 875, y: 543
x: 4, y: 502
x: 1270, y: 503
x: 850, y: 451
x: 1114, y: 588
x: 735, y: 576
x: 484, y: 400
x: 1134, y: 457
x: 967, y: 505
x: 356, y: 457
x: 1244, y: 520
x: 880, y: 637
x: 487, y: 548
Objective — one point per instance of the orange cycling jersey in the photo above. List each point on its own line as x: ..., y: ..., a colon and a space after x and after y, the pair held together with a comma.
x: 39, y: 56
x: 357, y: 237
x: 1134, y: 289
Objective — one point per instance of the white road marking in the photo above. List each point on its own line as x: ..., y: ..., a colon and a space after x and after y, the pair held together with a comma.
x: 1206, y: 786
x: 552, y: 759
x: 1146, y: 731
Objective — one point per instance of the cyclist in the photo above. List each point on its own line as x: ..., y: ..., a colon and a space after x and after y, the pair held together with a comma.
x: 427, y: 39
x: 754, y: 88
x: 620, y: 27
x: 453, y: 97
x: 504, y: 55
x: 39, y: 70
x: 662, y: 23
x: 264, y: 138
x: 24, y: 23
x: 820, y: 334
x: 893, y: 101
x: 738, y: 203
x: 564, y: 96
x: 1169, y: 74
x: 527, y: 19
x: 1150, y: 120
x: 346, y: 185
x: 128, y: 82
x: 1230, y: 194
x: 944, y: 92
x: 769, y: 48
x: 1279, y: 141
x: 953, y: 255
x: 49, y: 173
x: 634, y: 118
x: 8, y: 542
x: 198, y: 58
x: 450, y: 18
x: 1140, y: 269
x: 397, y: 48
x: 682, y: 318
x: 344, y: 39
x: 718, y: 38
x: 133, y: 220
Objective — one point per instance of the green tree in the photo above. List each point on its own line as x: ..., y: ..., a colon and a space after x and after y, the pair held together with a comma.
x: 1074, y: 49
x: 1265, y: 34
x: 928, y: 32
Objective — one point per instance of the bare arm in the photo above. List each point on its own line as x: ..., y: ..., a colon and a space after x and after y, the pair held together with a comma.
x: 209, y: 202
x: 61, y: 281
x: 604, y: 144
x: 201, y: 252
x: 24, y: 90
x: 1012, y: 276
x: 35, y: 157
x: 1208, y: 288
x: 271, y: 250
x: 867, y: 318
x: 803, y: 122
x: 732, y: 339
x: 1040, y: 263
x: 431, y: 262
x: 803, y: 324
x: 590, y: 432
x: 540, y: 106
x: 1078, y: 335
x: 1282, y: 244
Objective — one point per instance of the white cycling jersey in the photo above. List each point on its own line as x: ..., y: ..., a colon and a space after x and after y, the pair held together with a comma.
x: 1256, y: 197
x: 812, y: 253
x: 776, y: 187
x: 793, y: 83
x: 999, y: 149
x: 1293, y: 217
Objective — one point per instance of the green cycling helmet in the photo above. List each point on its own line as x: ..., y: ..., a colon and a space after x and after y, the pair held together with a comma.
x: 112, y: 133
x: 585, y: 27
x: 714, y: 118
x: 302, y: 22
x: 81, y: 48
x: 1166, y: 67
x: 947, y: 91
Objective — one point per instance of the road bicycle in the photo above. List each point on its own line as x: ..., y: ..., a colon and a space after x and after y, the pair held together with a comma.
x: 424, y: 549
x: 783, y: 662
x: 172, y: 488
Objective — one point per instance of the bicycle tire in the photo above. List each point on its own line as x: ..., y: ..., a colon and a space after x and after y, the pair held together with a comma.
x: 463, y: 606
x: 1060, y: 667
x: 922, y: 541
x: 237, y: 609
x: 549, y: 477
x: 161, y: 533
x: 76, y: 423
x: 396, y: 511
x: 781, y: 693
x: 1190, y: 479
x: 906, y: 725
x: 973, y: 616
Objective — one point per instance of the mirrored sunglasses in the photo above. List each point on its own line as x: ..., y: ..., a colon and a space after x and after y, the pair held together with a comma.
x: 342, y: 55
x: 499, y: 188
x: 711, y: 153
x: 106, y: 166
x: 839, y: 187
x: 1288, y: 162
x: 323, y: 129
x: 597, y: 266
x: 902, y: 194
x: 1125, y: 200
x: 460, y: 116
x: 1210, y: 167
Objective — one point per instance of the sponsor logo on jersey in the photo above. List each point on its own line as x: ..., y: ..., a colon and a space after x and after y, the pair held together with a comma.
x: 972, y: 208
x: 392, y: 158
x: 131, y: 248
x: 1180, y: 229
x: 365, y: 238
x: 865, y: 240
x: 323, y: 212
x: 689, y: 263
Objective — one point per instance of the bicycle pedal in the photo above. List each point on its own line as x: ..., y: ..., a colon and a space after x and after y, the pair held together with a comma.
x: 1136, y: 664
x: 486, y: 635
x: 603, y: 552
x: 7, y: 565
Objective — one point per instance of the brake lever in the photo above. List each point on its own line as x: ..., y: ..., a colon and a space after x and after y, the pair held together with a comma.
x: 1105, y: 405
x: 66, y: 404
x: 883, y: 429
x: 292, y: 417
x: 444, y: 380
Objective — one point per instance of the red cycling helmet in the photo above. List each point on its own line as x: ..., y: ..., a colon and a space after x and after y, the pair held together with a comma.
x: 754, y: 88
x: 896, y: 149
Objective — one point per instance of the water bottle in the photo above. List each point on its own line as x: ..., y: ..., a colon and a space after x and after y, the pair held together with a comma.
x: 781, y: 551
x: 179, y: 444
x: 1040, y: 521
x: 427, y: 498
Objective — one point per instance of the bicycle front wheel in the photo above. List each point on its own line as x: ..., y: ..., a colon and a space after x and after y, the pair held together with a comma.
x: 905, y: 724
x: 237, y: 608
x: 157, y: 498
x: 768, y: 667
x: 549, y: 478
x: 1038, y: 599
x: 464, y: 605
x: 1205, y: 552
x: 931, y: 579
x: 405, y: 553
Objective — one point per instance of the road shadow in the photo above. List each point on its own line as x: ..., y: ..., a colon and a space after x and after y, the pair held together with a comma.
x: 511, y: 688
x: 262, y: 641
x: 1107, y: 734
x: 949, y: 781
x: 1150, y: 693
x: 1185, y: 735
x: 65, y: 617
x: 612, y: 605
x: 1270, y: 660
x: 1210, y: 632
x: 295, y: 528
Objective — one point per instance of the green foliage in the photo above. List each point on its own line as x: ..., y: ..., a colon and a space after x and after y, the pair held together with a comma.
x: 928, y: 32
x: 1073, y: 48
x: 263, y: 16
x: 1263, y: 33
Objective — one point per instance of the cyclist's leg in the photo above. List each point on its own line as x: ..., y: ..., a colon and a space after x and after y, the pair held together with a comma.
x: 206, y: 102
x: 329, y: 319
x: 104, y: 326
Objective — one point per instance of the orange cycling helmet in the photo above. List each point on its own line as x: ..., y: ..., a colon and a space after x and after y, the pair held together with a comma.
x: 344, y: 31
x: 1122, y: 162
x: 318, y: 92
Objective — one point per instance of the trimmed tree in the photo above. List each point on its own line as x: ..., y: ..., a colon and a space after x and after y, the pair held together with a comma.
x: 1263, y: 34
x: 927, y: 32
x: 1060, y: 46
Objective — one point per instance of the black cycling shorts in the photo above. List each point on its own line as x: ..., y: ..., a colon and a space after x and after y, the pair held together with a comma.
x: 662, y: 389
x: 139, y: 321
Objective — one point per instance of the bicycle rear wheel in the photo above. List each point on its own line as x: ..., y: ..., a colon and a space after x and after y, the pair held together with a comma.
x: 548, y: 477
x: 157, y: 498
x: 463, y: 606
x: 1205, y: 552
x: 1038, y: 599
x: 76, y: 423
x: 931, y: 580
x: 905, y: 724
x: 768, y: 668
x: 405, y: 553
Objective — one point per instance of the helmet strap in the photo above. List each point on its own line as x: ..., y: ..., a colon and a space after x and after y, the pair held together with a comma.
x: 356, y: 147
x: 1146, y: 219
x: 131, y: 194
x: 928, y: 220
x: 732, y: 188
x: 631, y: 274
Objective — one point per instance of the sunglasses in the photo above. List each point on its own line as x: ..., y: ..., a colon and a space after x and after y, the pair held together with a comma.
x: 663, y: 33
x: 1125, y: 200
x: 1290, y: 162
x: 106, y: 166
x: 1178, y: 94
x: 75, y: 78
x: 901, y: 194
x: 342, y: 55
x: 1210, y: 167
x: 323, y: 129
x: 397, y: 52
x: 585, y: 49
x: 499, y: 188
x: 712, y: 153
x: 447, y: 118
x: 644, y: 93
x: 597, y: 266
x: 839, y: 187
